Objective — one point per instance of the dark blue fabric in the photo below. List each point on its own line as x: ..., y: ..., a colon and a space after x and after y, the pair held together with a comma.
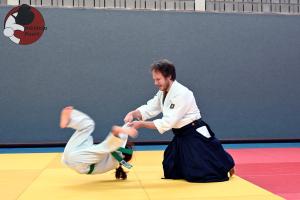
x: 195, y: 158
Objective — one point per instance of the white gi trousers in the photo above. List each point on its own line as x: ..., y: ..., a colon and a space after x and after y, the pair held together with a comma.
x: 80, y: 152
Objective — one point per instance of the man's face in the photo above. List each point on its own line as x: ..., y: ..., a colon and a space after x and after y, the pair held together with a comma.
x: 160, y: 81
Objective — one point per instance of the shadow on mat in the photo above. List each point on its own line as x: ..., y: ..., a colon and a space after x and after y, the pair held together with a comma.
x: 129, y: 184
x: 104, y: 184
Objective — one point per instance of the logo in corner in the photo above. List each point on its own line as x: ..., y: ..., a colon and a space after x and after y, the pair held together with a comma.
x: 24, y: 25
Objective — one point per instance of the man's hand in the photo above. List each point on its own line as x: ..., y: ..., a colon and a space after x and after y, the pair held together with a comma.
x: 136, y: 124
x: 129, y: 117
x: 142, y: 124
x: 132, y: 115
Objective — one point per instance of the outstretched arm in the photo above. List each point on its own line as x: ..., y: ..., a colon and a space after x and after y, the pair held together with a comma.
x: 142, y: 124
x: 135, y: 114
x: 147, y: 111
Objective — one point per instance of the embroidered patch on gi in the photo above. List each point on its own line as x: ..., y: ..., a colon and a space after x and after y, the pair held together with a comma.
x: 172, y: 106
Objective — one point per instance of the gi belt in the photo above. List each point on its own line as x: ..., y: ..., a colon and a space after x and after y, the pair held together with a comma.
x: 195, y: 124
x: 116, y: 155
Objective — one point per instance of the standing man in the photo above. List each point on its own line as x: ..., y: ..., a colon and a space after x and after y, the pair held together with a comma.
x: 194, y: 154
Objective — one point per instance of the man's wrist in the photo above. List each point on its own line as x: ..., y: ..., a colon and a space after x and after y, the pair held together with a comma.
x: 143, y: 124
x: 137, y: 114
x: 148, y: 124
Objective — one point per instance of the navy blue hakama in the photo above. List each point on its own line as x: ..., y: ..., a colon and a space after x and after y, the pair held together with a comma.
x: 195, y: 158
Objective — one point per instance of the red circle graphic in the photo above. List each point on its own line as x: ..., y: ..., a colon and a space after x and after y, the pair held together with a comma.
x: 31, y: 32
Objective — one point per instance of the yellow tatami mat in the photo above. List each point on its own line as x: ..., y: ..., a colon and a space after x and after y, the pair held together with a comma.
x: 41, y: 176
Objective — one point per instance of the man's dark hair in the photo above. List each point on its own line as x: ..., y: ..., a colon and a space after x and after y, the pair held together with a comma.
x: 165, y: 67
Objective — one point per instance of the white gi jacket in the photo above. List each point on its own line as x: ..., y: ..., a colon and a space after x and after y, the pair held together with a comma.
x: 179, y: 108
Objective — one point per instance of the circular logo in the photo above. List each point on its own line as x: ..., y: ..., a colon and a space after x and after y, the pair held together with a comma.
x: 24, y: 25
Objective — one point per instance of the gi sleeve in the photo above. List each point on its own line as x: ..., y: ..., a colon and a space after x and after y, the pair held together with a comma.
x: 151, y: 109
x: 178, y: 108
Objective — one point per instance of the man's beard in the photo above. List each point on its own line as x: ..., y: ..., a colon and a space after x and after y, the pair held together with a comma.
x: 166, y: 87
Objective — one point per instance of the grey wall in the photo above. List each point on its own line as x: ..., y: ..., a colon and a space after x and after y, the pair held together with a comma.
x: 244, y: 71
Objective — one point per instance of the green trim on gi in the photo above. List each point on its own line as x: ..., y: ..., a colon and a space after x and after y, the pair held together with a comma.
x: 120, y: 159
x: 92, y: 167
x: 117, y: 157
x: 124, y: 150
